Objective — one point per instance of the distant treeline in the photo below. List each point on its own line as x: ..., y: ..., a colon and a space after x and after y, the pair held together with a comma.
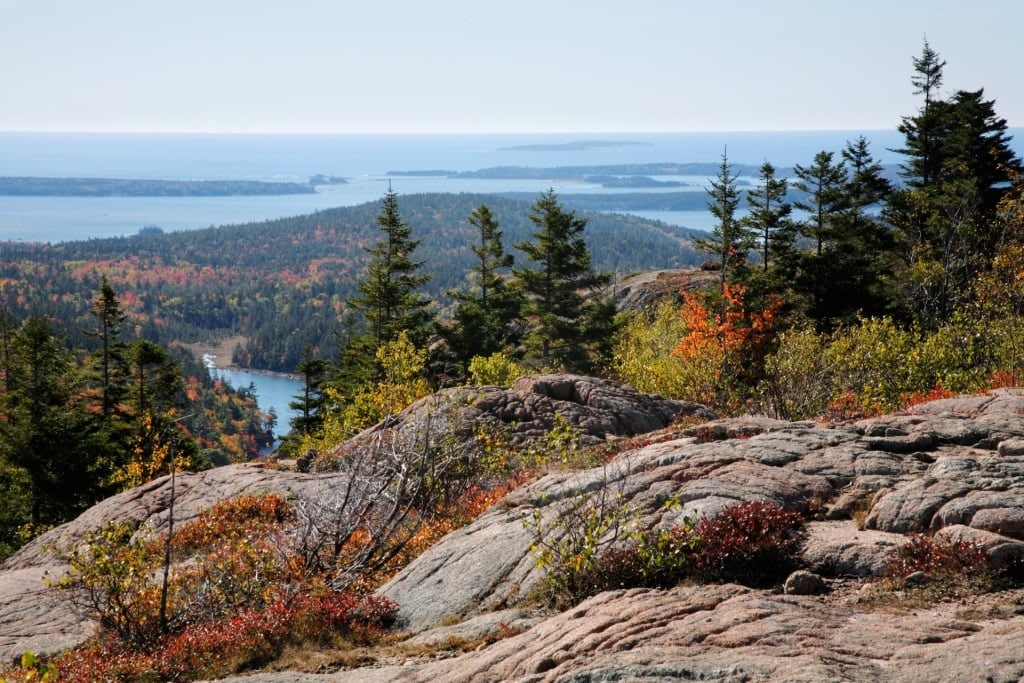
x: 579, y: 172
x: 110, y: 187
x: 283, y: 284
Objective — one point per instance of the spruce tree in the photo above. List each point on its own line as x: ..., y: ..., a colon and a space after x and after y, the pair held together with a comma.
x: 922, y: 132
x: 769, y: 215
x: 823, y: 183
x: 110, y: 358
x: 731, y: 240
x: 483, y: 322
x: 564, y: 331
x: 389, y: 298
x: 47, y: 432
x: 310, y: 402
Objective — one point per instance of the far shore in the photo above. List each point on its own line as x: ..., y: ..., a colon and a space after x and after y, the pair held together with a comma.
x: 219, y: 354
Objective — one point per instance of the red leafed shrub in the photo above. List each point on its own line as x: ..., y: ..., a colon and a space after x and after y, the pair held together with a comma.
x: 938, y: 392
x: 937, y: 558
x: 250, y: 638
x: 241, y: 516
x: 754, y: 543
x: 656, y: 558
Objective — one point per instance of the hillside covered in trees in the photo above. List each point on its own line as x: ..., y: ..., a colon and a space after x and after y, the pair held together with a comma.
x: 852, y: 296
x: 283, y: 284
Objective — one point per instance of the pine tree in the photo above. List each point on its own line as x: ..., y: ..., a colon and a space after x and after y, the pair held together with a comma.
x: 823, y: 182
x: 854, y: 275
x: 46, y: 431
x: 483, y: 322
x: 389, y: 298
x: 958, y: 166
x: 561, y: 333
x: 922, y: 132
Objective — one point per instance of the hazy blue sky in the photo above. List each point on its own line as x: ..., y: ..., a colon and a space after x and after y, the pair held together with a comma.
x: 493, y: 66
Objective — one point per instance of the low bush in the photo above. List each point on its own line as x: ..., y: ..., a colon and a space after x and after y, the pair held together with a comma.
x: 948, y: 569
x: 754, y: 543
x: 589, y: 550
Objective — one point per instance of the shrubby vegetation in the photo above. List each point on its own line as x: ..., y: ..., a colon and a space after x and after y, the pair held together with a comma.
x: 850, y: 297
x: 79, y: 425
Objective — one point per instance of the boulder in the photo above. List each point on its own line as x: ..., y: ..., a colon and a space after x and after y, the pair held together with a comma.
x: 950, y: 467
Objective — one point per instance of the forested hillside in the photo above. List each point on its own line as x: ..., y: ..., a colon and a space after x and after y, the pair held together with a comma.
x: 283, y: 284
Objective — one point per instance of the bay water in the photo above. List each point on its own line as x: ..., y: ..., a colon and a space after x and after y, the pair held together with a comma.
x: 365, y: 162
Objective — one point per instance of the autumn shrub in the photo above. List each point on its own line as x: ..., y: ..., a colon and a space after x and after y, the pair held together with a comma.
x: 29, y: 669
x: 643, y: 356
x: 798, y: 377
x: 653, y: 558
x: 874, y: 360
x: 755, y: 543
x: 498, y: 369
x: 567, y: 541
x: 951, y: 568
x: 246, y: 639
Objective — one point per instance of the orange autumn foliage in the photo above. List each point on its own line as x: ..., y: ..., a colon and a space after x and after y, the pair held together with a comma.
x: 734, y: 329
x: 724, y: 343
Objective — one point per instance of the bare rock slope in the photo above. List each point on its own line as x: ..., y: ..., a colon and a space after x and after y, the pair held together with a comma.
x: 954, y: 467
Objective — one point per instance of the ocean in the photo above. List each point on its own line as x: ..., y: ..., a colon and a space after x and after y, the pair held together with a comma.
x: 364, y: 160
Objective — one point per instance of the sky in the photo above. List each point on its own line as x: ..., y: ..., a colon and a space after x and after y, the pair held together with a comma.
x: 493, y: 66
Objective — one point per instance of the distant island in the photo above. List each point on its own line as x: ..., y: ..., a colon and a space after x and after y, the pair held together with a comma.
x: 577, y: 146
x: 707, y: 169
x: 109, y: 187
x: 632, y: 181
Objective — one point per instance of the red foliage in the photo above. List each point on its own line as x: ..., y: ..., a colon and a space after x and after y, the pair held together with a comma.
x: 753, y: 542
x: 938, y: 392
x: 734, y: 329
x: 933, y: 556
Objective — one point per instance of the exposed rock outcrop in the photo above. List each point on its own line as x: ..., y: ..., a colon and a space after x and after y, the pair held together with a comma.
x: 955, y: 467
x: 598, y: 408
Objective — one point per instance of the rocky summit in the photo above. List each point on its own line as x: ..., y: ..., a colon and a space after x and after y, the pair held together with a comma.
x: 953, y: 467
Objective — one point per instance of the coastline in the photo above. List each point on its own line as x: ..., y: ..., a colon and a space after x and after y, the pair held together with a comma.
x: 217, y: 356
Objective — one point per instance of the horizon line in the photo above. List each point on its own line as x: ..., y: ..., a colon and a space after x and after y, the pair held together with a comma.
x: 442, y: 133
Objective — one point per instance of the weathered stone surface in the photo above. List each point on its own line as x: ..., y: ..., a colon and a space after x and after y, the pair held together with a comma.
x: 950, y: 467
x: 803, y: 582
x: 726, y: 633
x: 643, y: 291
x: 839, y: 548
x: 598, y: 408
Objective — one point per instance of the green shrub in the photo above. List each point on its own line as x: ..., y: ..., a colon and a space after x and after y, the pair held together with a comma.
x: 498, y: 369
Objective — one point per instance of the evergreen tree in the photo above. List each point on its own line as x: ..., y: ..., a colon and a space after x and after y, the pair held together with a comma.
x: 47, y: 432
x: 823, y: 184
x: 866, y: 187
x: 483, y: 322
x: 109, y: 316
x: 561, y: 333
x: 922, y: 132
x: 854, y: 274
x: 731, y: 240
x: 389, y: 298
x: 958, y: 166
x: 769, y: 215
x: 310, y: 402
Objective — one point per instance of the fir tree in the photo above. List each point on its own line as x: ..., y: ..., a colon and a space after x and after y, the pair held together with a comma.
x: 769, y: 215
x: 389, y: 298
x: 561, y: 334
x: 731, y: 240
x: 483, y: 322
